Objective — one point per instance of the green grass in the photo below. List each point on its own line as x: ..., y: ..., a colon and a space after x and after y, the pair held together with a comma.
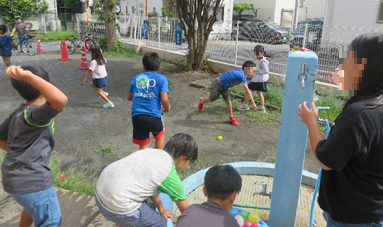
x: 77, y: 179
x: 273, y: 96
x: 333, y: 102
x: 105, y: 149
x: 57, y: 35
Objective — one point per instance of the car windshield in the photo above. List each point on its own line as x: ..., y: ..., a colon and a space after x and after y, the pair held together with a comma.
x: 274, y: 26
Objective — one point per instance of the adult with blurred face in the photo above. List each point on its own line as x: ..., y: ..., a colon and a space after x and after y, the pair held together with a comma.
x: 351, y: 189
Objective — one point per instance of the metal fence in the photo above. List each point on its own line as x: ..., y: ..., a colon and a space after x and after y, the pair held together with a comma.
x: 236, y: 45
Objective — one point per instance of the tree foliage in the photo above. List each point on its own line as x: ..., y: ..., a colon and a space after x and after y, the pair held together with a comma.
x: 197, y: 18
x: 9, y: 10
x: 240, y: 7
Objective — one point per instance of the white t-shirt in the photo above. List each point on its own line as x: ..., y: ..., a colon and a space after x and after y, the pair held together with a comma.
x: 125, y: 184
x: 262, y: 71
x: 98, y: 71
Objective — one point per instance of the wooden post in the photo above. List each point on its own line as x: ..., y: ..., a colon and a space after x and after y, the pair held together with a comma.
x: 292, y: 139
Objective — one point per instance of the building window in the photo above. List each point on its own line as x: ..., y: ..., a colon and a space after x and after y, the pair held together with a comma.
x: 174, y: 9
x: 220, y: 14
x: 154, y: 9
x: 380, y: 14
x: 127, y: 10
x: 133, y: 10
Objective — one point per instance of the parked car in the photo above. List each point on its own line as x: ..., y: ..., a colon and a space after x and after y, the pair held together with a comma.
x: 259, y: 31
x: 313, y: 34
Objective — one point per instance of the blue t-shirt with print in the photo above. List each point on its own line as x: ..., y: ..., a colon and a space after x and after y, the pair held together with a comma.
x: 146, y: 88
x: 232, y: 78
x: 5, y: 46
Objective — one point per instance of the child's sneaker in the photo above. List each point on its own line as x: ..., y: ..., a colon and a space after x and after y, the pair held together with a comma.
x: 233, y: 121
x: 200, y: 105
x: 243, y: 107
x: 108, y: 105
x: 105, y: 93
x: 261, y: 109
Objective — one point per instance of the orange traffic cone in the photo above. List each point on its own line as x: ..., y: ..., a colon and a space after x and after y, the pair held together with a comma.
x: 64, y: 53
x: 84, y: 61
x: 41, y: 47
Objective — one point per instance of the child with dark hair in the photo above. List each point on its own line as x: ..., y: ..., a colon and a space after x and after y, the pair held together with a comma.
x: 27, y: 136
x: 6, y: 43
x: 147, y: 91
x: 222, y: 185
x: 259, y: 81
x: 99, y: 74
x: 221, y: 85
x: 125, y: 186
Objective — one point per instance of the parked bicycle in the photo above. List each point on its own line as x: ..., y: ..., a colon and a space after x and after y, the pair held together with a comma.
x: 28, y: 45
x: 73, y: 45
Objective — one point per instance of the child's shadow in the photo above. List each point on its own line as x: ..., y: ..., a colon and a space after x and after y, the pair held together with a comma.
x: 202, y: 124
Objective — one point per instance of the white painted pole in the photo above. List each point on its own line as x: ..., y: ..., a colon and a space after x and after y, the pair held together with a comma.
x: 159, y: 32
x: 324, y: 22
x: 296, y: 11
x: 236, y: 44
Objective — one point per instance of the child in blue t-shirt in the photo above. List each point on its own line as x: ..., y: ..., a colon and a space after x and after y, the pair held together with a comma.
x: 147, y: 91
x: 229, y: 79
x: 6, y: 43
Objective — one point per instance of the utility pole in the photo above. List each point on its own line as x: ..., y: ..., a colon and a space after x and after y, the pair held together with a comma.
x: 296, y: 11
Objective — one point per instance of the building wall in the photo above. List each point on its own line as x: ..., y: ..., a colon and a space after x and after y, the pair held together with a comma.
x: 126, y: 6
x: 312, y: 9
x: 225, y: 26
x: 282, y: 4
x: 347, y: 19
x: 265, y: 8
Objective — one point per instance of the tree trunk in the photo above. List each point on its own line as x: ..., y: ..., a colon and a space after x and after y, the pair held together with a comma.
x: 110, y: 23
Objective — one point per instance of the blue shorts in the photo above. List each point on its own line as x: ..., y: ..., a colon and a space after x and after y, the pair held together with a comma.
x: 42, y: 206
x: 101, y: 83
x: 143, y: 216
x: 22, y: 38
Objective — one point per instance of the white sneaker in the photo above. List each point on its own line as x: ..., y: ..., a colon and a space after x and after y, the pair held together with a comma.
x: 108, y: 105
x: 261, y: 109
x: 243, y: 107
x: 105, y: 93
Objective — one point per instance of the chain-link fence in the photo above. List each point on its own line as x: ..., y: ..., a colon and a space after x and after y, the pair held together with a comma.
x: 161, y: 32
x: 237, y: 46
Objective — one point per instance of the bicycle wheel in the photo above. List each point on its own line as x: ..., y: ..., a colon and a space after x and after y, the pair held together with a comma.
x: 30, y: 46
x: 89, y: 43
x: 70, y: 46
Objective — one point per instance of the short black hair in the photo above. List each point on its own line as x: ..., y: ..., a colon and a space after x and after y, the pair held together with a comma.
x: 151, y: 61
x: 221, y: 181
x: 3, y: 28
x: 182, y: 144
x: 248, y: 64
x: 24, y: 88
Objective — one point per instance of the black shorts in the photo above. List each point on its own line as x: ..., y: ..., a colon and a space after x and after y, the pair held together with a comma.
x: 258, y: 86
x: 143, y: 125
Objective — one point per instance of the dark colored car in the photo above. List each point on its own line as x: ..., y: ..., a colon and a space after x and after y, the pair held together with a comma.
x: 259, y: 31
x: 313, y: 34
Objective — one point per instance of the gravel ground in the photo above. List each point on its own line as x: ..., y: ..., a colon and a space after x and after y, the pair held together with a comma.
x: 84, y: 126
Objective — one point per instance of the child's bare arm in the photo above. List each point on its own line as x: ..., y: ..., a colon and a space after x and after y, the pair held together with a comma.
x: 165, y: 101
x: 248, y: 92
x: 13, y: 32
x: 87, y: 75
x: 182, y: 205
x: 56, y: 99
x: 4, y: 144
x: 158, y: 203
x: 129, y: 97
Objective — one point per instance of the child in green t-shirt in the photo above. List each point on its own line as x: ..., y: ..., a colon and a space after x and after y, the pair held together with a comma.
x: 125, y: 186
